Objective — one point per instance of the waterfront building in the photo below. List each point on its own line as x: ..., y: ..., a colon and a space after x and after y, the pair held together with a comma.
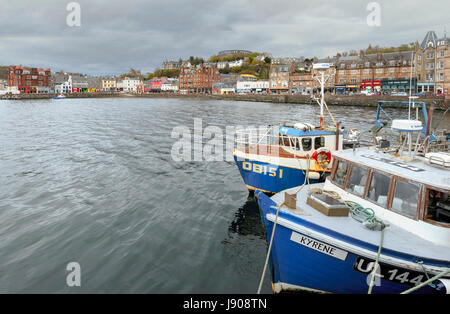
x: 95, y: 84
x: 366, y: 72
x: 29, y: 80
x: 220, y: 88
x: 170, y: 86
x: 79, y: 83
x: 433, y: 64
x: 301, y: 83
x: 252, y: 86
x: 129, y: 85
x: 199, y: 78
x: 64, y: 87
x: 109, y: 84
x: 279, y: 78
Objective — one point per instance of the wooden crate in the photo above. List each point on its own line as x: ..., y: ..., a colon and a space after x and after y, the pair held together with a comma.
x: 327, y: 205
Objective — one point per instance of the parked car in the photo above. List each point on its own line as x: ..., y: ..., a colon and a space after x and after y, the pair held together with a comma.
x: 367, y: 93
x: 399, y: 94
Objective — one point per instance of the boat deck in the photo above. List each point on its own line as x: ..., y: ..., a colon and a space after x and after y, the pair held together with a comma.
x: 268, y: 150
x: 395, y: 237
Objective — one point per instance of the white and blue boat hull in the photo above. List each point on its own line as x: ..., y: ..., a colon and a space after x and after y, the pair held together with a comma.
x: 270, y: 178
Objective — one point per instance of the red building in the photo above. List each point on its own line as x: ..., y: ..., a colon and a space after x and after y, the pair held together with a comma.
x: 29, y: 80
x: 373, y: 86
x: 198, y: 79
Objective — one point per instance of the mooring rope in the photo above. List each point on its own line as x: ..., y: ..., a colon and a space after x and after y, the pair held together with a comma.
x: 275, y: 225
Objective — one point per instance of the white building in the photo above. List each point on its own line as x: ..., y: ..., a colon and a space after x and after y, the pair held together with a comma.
x: 129, y: 85
x: 170, y: 86
x: 231, y: 64
x: 252, y: 86
x: 65, y: 87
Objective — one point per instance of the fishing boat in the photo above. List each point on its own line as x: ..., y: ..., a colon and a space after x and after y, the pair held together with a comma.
x: 380, y: 223
x: 60, y: 96
x: 276, y: 158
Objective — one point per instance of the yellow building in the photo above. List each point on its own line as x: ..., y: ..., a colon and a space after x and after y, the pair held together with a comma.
x: 109, y: 84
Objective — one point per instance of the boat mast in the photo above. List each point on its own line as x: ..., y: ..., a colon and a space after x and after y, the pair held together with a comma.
x: 322, y: 83
x: 321, y: 67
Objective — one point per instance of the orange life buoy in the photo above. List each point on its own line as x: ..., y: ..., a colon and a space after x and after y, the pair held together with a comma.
x: 322, y: 156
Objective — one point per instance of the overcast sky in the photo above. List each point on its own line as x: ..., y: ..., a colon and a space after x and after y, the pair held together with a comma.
x: 116, y: 35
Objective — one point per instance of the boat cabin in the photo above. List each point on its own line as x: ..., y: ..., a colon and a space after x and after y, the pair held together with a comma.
x: 417, y: 189
x: 302, y: 142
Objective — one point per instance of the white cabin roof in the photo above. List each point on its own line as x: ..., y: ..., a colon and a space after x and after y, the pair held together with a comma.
x: 418, y: 169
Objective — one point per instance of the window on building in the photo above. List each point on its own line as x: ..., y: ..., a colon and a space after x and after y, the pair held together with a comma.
x: 437, y: 206
x: 406, y: 197
x: 341, y: 173
x: 441, y: 76
x: 441, y: 65
x: 419, y: 57
x: 379, y: 188
x: 367, y: 64
x: 392, y: 62
x: 306, y: 144
x: 357, y: 181
x: 430, y: 55
x: 442, y: 53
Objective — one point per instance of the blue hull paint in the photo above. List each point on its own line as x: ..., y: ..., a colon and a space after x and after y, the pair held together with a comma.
x: 298, y: 265
x: 284, y: 178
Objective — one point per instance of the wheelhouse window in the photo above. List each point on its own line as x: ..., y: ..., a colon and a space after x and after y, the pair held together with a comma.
x: 306, y: 144
x: 406, y: 198
x: 379, y: 189
x: 319, y: 142
x: 341, y: 173
x: 437, y: 206
x: 357, y: 181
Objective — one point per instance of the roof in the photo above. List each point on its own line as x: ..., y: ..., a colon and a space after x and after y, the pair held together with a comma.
x: 417, y: 170
x: 295, y: 132
x: 430, y: 38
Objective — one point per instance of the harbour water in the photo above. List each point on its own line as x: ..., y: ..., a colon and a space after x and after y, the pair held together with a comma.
x: 92, y: 181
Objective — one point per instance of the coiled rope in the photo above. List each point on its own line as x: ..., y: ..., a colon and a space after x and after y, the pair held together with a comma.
x: 367, y: 217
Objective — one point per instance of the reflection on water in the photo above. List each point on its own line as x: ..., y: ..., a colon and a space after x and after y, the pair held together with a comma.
x: 247, y: 220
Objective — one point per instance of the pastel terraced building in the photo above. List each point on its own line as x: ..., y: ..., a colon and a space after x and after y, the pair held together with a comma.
x: 433, y: 64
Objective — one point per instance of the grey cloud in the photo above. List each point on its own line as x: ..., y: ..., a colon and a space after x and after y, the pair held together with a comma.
x: 116, y: 35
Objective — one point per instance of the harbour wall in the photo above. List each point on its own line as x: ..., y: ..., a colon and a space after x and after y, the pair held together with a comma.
x: 332, y: 100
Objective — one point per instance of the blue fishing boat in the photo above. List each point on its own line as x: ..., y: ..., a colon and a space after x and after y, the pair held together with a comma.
x: 60, y: 96
x: 278, y: 157
x: 380, y: 223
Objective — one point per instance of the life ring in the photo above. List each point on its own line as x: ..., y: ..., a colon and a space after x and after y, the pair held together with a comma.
x: 322, y: 156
